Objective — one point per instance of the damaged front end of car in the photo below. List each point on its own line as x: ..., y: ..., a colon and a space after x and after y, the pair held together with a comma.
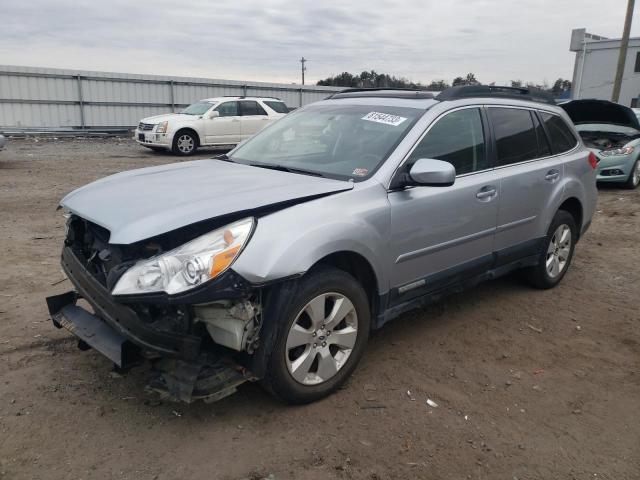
x: 171, y: 300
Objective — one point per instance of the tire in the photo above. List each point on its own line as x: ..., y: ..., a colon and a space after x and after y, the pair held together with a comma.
x: 634, y: 177
x: 304, y: 351
x: 556, y: 252
x: 185, y: 143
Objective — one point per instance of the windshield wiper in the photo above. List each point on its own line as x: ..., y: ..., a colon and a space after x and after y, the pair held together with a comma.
x: 282, y: 168
x: 225, y: 158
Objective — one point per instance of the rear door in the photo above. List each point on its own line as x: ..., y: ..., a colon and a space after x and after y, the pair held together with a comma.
x: 440, y: 235
x: 225, y: 129
x: 528, y: 174
x: 253, y: 118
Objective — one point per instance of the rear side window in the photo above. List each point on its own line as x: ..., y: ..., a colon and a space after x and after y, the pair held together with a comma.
x: 457, y: 138
x: 560, y: 135
x: 228, y: 109
x: 251, y: 107
x: 515, y: 135
x: 277, y: 106
x: 543, y: 144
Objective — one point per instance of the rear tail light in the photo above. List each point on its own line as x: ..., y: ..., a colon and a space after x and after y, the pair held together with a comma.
x: 593, y: 160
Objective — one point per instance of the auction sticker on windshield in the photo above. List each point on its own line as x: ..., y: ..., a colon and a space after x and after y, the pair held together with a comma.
x: 386, y: 118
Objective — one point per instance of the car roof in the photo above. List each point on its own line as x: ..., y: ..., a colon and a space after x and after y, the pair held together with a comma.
x: 219, y: 99
x: 460, y: 95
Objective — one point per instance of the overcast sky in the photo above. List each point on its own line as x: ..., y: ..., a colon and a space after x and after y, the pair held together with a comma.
x: 422, y: 40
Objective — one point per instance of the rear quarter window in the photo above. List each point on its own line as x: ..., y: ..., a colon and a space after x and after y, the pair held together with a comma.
x: 278, y: 107
x: 560, y: 135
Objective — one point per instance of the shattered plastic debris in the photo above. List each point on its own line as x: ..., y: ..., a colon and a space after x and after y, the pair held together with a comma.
x: 411, y: 397
x: 431, y: 403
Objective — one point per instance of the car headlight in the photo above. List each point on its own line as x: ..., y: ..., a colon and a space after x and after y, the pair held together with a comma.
x: 617, y: 151
x: 162, y: 127
x: 189, y: 265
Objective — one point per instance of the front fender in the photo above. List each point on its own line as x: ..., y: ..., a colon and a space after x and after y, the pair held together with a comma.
x: 289, y: 242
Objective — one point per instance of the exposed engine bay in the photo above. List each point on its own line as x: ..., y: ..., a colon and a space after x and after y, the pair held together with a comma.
x: 606, y: 140
x: 217, y: 330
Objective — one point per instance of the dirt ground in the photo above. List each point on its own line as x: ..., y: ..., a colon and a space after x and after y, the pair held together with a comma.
x: 529, y: 384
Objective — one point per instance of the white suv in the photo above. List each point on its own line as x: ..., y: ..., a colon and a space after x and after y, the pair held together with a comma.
x: 219, y: 122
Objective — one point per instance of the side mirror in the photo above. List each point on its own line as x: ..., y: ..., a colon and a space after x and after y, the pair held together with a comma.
x: 214, y: 114
x: 431, y: 172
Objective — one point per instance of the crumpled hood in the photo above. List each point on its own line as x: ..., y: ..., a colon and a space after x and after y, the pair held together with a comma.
x: 600, y: 111
x: 140, y: 204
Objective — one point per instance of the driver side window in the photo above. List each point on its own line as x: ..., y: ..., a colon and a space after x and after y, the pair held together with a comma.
x: 228, y: 109
x: 457, y: 138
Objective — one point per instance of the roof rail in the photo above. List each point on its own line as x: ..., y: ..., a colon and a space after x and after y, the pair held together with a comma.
x: 494, y: 91
x: 387, y: 92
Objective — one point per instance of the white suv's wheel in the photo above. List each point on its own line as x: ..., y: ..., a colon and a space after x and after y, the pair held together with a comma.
x: 185, y: 143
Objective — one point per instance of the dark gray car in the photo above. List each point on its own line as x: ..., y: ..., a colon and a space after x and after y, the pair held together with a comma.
x: 274, y: 262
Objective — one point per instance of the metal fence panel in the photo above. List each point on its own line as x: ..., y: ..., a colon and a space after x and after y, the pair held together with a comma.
x: 42, y: 97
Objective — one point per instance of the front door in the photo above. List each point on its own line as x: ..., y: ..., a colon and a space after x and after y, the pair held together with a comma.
x: 224, y: 129
x: 254, y: 118
x: 444, y: 234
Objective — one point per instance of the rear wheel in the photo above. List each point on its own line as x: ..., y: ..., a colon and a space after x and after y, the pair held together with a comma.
x: 326, y: 327
x: 556, y: 253
x: 634, y: 177
x: 185, y: 143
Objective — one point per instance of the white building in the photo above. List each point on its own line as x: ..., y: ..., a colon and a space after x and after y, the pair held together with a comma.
x: 595, y: 67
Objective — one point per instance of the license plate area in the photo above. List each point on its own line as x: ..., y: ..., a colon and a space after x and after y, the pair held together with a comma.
x: 141, y: 137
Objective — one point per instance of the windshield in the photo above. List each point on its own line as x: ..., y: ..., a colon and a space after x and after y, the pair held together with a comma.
x: 334, y: 140
x: 198, y: 108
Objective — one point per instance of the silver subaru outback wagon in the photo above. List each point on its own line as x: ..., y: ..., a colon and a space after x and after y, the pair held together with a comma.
x: 274, y: 262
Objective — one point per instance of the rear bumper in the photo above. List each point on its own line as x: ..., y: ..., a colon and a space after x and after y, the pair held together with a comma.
x: 121, y: 318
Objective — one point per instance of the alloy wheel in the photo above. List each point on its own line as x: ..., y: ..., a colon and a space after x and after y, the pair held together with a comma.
x: 558, y: 251
x: 186, y: 143
x: 321, y: 338
x: 636, y: 174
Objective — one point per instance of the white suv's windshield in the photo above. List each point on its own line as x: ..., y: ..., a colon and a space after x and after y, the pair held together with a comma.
x: 340, y: 141
x: 198, y: 108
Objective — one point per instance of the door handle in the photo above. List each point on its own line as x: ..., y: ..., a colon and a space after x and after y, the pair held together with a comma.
x: 552, y: 175
x: 486, y: 193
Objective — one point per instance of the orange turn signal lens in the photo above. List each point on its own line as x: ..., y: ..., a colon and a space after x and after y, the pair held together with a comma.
x: 223, y: 259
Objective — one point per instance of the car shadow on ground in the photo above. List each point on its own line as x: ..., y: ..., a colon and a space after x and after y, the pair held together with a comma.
x: 251, y: 400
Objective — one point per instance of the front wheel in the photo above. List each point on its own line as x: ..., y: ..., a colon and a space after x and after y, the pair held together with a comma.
x: 556, y: 253
x: 634, y: 177
x: 325, y: 330
x: 185, y: 143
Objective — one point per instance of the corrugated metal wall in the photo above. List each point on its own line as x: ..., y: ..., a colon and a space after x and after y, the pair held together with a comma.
x: 44, y: 97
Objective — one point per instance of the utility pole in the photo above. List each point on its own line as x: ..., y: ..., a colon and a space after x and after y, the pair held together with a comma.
x: 615, y: 95
x: 304, y: 69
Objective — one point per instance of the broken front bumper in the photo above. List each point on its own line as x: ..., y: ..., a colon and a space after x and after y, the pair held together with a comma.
x: 121, y: 318
x: 91, y: 331
x: 185, y: 372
